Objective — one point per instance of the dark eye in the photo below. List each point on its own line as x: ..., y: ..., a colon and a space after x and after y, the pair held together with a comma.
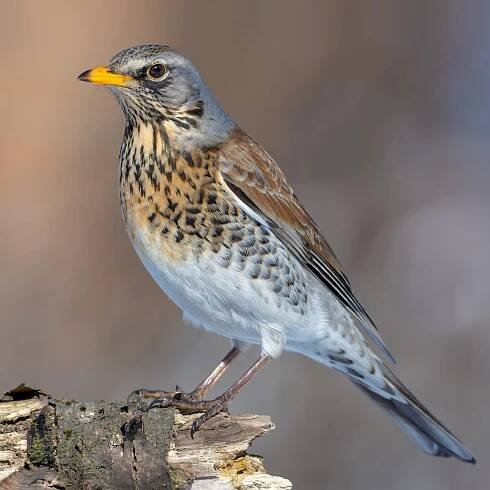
x: 157, y: 71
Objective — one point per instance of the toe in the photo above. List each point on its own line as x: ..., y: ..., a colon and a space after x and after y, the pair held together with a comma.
x: 164, y: 402
x: 214, y: 409
x: 195, y: 426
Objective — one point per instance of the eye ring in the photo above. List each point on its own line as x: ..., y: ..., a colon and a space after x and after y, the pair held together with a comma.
x: 157, y: 71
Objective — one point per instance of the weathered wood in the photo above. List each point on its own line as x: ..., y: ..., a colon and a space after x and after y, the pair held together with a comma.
x: 66, y: 444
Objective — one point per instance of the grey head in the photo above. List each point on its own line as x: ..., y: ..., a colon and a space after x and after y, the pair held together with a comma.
x: 155, y: 84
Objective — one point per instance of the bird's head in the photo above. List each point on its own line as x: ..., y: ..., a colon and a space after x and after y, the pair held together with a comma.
x: 155, y: 84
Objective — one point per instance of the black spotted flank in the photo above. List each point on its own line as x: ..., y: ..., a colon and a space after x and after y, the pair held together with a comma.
x: 354, y: 373
x: 217, y: 231
x: 236, y: 236
x: 179, y: 236
x: 254, y: 273
x: 342, y: 360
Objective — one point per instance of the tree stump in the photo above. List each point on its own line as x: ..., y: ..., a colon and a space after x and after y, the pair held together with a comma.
x: 67, y: 444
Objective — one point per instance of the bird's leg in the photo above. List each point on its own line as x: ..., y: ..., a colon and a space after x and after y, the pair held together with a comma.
x: 199, y: 392
x: 210, y: 407
x: 220, y: 404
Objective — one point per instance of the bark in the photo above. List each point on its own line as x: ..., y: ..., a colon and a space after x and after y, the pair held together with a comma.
x: 67, y: 444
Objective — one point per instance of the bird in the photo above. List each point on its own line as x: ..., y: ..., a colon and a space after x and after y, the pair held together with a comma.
x: 219, y: 228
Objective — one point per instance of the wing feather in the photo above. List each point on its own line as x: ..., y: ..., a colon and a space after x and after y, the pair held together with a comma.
x: 258, y: 184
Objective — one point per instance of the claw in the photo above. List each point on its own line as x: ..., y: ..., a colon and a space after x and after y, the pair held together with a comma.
x: 164, y: 402
x: 195, y: 426
x: 216, y: 407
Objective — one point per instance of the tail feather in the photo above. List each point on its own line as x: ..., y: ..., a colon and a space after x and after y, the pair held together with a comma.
x: 417, y: 422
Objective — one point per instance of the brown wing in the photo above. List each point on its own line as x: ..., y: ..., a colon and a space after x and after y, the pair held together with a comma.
x: 256, y: 180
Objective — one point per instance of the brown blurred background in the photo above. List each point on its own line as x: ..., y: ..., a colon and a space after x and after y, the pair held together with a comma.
x: 380, y: 115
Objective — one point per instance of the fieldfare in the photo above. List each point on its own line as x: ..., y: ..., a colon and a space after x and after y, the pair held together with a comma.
x: 217, y: 225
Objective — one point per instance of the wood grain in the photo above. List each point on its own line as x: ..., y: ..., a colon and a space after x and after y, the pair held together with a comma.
x: 68, y: 444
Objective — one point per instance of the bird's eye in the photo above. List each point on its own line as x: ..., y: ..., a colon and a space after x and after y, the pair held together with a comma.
x: 157, y: 71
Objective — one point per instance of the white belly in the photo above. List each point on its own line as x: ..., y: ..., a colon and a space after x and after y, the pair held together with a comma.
x: 226, y: 301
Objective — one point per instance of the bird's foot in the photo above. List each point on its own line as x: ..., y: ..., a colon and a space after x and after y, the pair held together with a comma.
x: 188, y: 404
x: 184, y: 402
x: 138, y: 399
x: 216, y: 406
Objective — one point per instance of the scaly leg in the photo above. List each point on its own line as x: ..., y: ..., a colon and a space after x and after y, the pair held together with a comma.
x: 201, y: 390
x: 211, y: 407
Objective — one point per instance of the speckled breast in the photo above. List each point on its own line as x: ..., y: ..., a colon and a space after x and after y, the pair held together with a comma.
x: 215, y: 261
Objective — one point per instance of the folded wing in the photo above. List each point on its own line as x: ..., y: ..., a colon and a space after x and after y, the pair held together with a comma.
x: 260, y: 187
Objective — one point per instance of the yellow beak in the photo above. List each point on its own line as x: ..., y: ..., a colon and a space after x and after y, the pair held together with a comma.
x: 103, y: 76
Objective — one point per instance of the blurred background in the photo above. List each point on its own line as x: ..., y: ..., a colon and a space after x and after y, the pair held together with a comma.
x: 378, y: 112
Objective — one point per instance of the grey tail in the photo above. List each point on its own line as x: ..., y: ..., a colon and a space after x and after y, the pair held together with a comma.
x: 414, y: 419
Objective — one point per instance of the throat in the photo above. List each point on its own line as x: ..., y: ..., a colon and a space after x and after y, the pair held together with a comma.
x: 146, y: 156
